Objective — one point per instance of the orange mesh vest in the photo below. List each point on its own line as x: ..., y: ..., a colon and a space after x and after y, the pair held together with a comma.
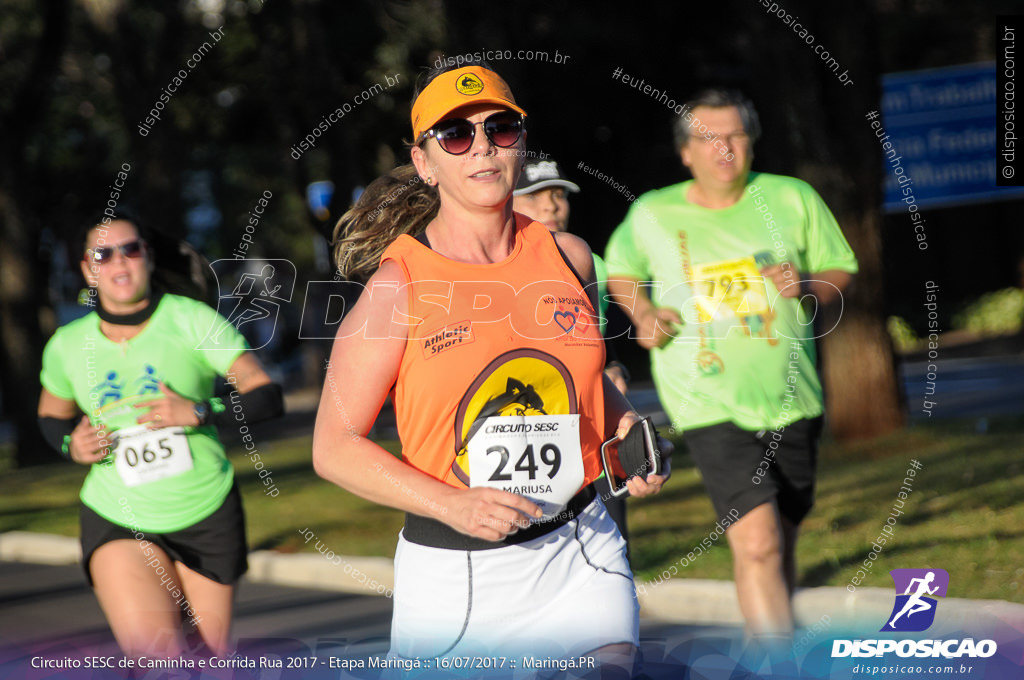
x: 516, y: 337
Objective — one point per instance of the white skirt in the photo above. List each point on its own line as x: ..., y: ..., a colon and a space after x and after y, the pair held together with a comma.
x: 561, y: 595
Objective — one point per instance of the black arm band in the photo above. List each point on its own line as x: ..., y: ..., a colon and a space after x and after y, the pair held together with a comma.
x: 610, y: 354
x: 622, y: 367
x: 263, y: 403
x: 57, y: 433
x: 612, y: 359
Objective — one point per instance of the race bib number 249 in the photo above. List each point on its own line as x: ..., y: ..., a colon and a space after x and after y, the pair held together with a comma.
x: 536, y: 456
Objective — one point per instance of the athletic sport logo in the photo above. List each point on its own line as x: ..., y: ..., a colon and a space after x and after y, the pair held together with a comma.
x: 916, y: 590
x: 469, y: 85
x: 250, y: 299
x: 452, y: 335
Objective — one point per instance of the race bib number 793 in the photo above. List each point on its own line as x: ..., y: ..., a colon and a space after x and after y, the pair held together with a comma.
x: 729, y: 288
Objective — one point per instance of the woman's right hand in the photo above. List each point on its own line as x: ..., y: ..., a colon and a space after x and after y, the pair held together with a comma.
x: 89, y: 444
x: 490, y: 514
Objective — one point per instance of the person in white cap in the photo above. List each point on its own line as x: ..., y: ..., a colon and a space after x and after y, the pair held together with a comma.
x: 542, y: 193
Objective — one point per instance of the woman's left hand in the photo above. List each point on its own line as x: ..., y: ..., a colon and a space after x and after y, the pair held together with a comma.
x: 173, y: 410
x: 637, y: 485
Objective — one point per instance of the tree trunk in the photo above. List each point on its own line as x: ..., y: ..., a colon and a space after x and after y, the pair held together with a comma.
x: 20, y: 335
x: 862, y: 395
x: 817, y: 126
x: 22, y: 275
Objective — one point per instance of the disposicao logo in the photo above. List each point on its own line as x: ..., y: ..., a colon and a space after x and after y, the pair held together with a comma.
x: 914, y: 611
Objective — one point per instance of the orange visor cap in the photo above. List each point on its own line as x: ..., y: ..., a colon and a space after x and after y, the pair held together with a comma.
x: 459, y: 87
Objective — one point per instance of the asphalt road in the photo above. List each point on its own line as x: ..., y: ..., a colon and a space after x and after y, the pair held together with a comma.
x: 50, y: 612
x: 53, y: 608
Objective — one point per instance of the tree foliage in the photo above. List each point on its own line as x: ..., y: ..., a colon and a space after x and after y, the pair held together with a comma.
x: 79, y: 79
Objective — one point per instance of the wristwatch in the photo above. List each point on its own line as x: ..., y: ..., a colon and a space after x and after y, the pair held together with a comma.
x: 202, y: 411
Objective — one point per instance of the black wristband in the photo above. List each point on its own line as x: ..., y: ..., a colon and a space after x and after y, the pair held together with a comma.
x: 57, y: 433
x: 263, y: 403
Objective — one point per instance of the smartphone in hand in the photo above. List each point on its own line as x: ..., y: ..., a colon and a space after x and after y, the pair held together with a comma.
x: 638, y: 455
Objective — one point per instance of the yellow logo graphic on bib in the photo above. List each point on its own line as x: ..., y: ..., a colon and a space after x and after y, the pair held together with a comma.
x: 709, y: 362
x: 518, y: 383
x: 469, y: 85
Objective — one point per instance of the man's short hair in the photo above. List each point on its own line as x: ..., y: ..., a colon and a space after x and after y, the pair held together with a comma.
x: 716, y: 98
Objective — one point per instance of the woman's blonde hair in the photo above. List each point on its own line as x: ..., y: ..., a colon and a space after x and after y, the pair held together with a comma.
x: 396, y: 203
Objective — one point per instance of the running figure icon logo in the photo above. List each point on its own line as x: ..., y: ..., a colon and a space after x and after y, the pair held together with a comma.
x: 250, y: 299
x: 915, y: 605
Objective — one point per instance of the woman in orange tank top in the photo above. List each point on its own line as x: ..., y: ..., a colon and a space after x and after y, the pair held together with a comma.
x: 481, y: 326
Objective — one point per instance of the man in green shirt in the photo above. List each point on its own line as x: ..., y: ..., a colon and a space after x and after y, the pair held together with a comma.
x: 729, y: 256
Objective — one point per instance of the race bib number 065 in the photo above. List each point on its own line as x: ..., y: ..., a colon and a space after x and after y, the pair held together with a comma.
x: 142, y: 455
x: 537, y: 456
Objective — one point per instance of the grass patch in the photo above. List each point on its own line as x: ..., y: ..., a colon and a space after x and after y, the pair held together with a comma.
x: 965, y: 513
x: 45, y: 499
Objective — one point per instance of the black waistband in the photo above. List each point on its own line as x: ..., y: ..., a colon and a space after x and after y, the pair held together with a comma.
x: 436, y: 534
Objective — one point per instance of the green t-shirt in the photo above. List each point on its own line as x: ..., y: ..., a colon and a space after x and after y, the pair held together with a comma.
x: 601, y: 274
x: 106, y: 378
x: 744, y: 353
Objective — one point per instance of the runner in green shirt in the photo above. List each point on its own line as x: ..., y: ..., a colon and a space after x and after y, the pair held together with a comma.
x: 729, y: 255
x: 128, y: 392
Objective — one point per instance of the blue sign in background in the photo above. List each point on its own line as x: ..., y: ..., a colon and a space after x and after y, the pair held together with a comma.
x: 942, y: 123
x: 318, y: 197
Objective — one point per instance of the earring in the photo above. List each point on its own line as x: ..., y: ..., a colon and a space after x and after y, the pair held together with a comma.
x: 429, y: 181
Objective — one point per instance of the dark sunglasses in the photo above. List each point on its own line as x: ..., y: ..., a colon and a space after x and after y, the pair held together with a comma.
x: 456, y: 135
x: 105, y: 254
